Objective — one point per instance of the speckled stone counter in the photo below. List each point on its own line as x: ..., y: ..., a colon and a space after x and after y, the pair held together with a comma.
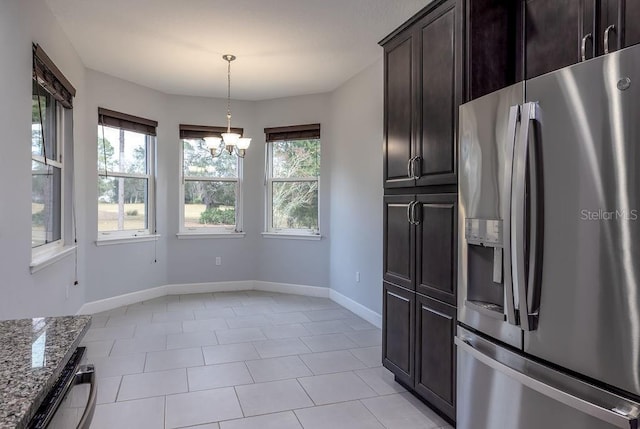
x: 33, y: 352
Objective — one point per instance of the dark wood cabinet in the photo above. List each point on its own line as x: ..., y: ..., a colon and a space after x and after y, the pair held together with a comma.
x: 436, y: 238
x: 420, y: 235
x: 435, y: 361
x: 560, y: 33
x: 492, y: 46
x: 554, y: 30
x: 506, y: 41
x: 398, y: 333
x: 399, y: 241
x: 398, y: 112
x: 420, y: 273
x: 423, y: 88
x: 440, y: 94
x: 620, y: 18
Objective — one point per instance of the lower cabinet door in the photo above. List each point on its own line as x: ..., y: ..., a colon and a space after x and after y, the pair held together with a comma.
x: 435, y: 353
x: 398, y: 330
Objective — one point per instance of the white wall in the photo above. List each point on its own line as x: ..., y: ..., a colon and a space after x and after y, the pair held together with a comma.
x: 23, y: 294
x: 296, y: 261
x: 356, y: 187
x: 123, y: 268
x: 350, y: 190
x: 192, y: 261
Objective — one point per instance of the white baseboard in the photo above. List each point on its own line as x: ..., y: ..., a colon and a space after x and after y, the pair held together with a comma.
x: 317, y: 291
x: 121, y: 300
x: 357, y: 308
x: 179, y: 289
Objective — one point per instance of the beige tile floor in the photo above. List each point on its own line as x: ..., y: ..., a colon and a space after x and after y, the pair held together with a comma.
x: 241, y: 360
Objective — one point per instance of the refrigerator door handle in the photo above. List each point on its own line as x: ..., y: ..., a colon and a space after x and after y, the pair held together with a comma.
x: 511, y: 295
x: 526, y: 282
x: 615, y: 417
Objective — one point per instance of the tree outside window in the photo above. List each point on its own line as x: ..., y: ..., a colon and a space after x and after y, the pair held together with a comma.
x: 125, y: 179
x: 211, y: 188
x: 292, y: 186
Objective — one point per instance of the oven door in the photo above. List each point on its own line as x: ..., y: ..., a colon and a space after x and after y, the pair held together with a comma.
x: 72, y: 400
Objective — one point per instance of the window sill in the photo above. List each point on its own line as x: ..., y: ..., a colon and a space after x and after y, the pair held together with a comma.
x: 200, y: 235
x: 49, y: 258
x: 126, y: 240
x: 289, y: 236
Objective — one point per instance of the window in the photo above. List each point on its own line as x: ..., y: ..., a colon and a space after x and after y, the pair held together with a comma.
x: 293, y: 179
x: 211, y: 187
x: 126, y: 149
x: 51, y: 137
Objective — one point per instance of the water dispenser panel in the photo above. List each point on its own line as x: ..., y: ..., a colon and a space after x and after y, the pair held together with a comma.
x: 483, y: 232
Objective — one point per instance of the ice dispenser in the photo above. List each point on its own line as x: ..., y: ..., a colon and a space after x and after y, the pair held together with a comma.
x: 485, y: 288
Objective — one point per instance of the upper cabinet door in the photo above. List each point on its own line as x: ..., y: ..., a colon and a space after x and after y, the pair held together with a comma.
x: 440, y: 89
x: 398, y: 111
x: 631, y: 22
x: 554, y: 33
x: 619, y: 24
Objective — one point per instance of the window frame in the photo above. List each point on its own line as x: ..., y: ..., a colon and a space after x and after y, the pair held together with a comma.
x: 198, y: 132
x: 283, y: 134
x: 58, y: 135
x: 118, y: 236
x: 48, y: 77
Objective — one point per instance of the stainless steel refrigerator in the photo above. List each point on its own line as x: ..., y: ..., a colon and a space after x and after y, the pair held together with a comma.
x: 549, y: 251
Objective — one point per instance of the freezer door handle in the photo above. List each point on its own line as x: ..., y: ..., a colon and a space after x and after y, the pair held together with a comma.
x: 618, y: 418
x: 511, y: 295
x: 526, y: 235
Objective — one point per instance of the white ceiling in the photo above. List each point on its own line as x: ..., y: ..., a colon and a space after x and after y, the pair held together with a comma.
x: 284, y: 47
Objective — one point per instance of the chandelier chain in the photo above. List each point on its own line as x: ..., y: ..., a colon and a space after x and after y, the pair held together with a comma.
x: 229, y: 95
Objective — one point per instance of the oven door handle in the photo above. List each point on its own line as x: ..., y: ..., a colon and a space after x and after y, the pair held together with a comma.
x: 87, y: 375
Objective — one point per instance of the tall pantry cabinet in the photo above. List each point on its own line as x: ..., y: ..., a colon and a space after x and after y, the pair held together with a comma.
x: 423, y: 89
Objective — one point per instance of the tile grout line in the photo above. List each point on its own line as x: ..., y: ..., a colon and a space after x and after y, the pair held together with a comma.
x: 373, y: 415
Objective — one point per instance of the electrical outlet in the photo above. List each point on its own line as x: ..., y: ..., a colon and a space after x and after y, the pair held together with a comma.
x: 357, y: 276
x: 218, y: 260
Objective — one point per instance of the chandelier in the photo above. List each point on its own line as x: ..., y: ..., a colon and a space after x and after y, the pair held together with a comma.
x: 231, y: 142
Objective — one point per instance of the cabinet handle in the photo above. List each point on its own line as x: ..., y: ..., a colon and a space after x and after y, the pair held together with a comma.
x: 583, y: 48
x: 606, y: 37
x: 410, y: 167
x: 409, y: 213
x: 416, y: 219
x: 417, y: 160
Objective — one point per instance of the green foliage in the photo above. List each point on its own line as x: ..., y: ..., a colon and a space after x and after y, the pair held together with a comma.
x: 295, y: 204
x: 198, y: 163
x: 132, y: 212
x: 109, y: 187
x: 218, y: 216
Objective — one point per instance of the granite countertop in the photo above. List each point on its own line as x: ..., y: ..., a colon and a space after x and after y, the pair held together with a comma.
x: 33, y: 353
